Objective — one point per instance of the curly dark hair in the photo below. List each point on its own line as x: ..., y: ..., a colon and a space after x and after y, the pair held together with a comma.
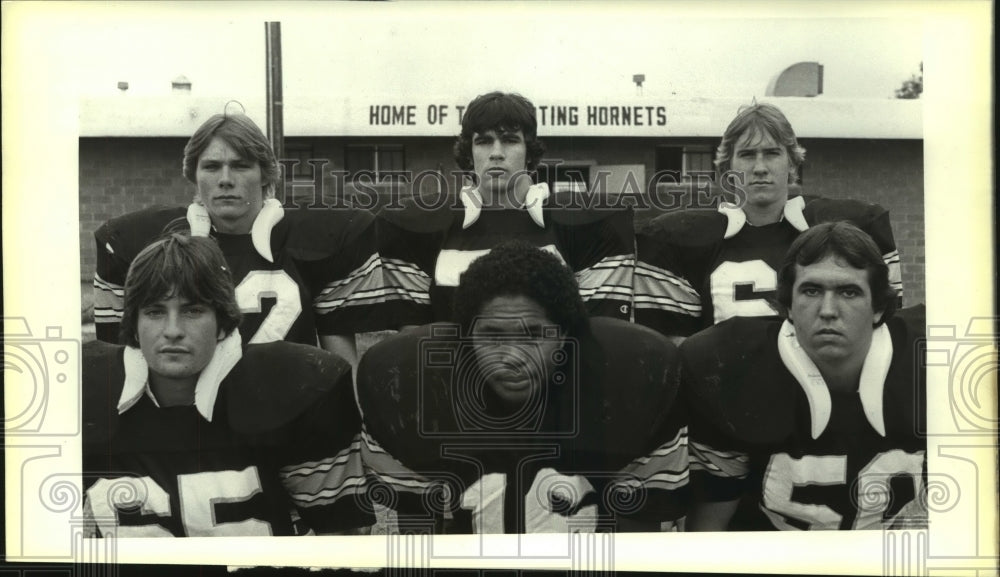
x: 503, y: 112
x: 178, y: 264
x: 844, y: 241
x: 516, y: 268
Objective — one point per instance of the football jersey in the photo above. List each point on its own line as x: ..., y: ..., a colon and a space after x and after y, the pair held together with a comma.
x: 273, y: 437
x: 605, y: 439
x: 764, y: 426
x: 426, y: 246
x: 299, y: 272
x: 698, y: 268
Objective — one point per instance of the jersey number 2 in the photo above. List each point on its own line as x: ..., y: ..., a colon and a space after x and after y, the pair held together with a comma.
x: 261, y: 284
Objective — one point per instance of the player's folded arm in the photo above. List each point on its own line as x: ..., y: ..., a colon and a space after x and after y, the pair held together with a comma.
x: 666, y: 298
x: 654, y: 488
x: 407, y: 246
x: 311, y: 426
x: 600, y: 248
x: 117, y: 242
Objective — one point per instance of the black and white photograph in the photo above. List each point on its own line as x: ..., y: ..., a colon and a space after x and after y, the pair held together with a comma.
x: 562, y: 286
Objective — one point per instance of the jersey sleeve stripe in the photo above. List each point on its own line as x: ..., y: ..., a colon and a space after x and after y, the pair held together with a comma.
x: 895, y: 274
x: 109, y: 301
x: 383, y: 467
x: 665, y: 468
x: 319, y: 483
x: 608, y: 279
x: 369, y: 284
x: 729, y: 464
x: 657, y: 288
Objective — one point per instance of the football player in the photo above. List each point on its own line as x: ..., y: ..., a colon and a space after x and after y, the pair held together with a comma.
x: 427, y: 244
x: 189, y: 433
x: 528, y: 416
x: 696, y: 268
x: 816, y: 418
x: 297, y: 272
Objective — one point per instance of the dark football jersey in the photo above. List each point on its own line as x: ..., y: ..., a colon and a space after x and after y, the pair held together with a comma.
x: 322, y: 276
x: 765, y: 427
x: 426, y: 246
x: 698, y: 268
x: 280, y: 442
x: 605, y: 440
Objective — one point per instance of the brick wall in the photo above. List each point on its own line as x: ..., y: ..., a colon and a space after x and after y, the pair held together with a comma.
x: 119, y: 175
x: 886, y: 172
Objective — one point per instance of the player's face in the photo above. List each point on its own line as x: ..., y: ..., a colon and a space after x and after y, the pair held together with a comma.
x: 765, y: 167
x: 515, y: 346
x: 177, y: 337
x: 500, y: 160
x: 832, y: 311
x: 230, y: 187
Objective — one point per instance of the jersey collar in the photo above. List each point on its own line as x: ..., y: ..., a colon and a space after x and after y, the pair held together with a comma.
x: 260, y: 233
x: 534, y: 202
x: 736, y: 219
x: 870, y: 390
x: 227, y: 353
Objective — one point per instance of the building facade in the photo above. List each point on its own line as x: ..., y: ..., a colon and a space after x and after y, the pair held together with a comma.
x: 659, y: 154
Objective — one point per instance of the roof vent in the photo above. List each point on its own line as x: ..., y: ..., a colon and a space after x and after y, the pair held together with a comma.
x: 181, y: 84
x: 802, y: 79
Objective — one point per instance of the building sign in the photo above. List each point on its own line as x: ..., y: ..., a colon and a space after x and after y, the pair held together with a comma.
x: 372, y: 115
x: 548, y: 115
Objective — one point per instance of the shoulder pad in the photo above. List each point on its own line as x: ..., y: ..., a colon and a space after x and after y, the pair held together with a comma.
x: 131, y: 233
x: 631, y: 379
x: 685, y: 229
x: 103, y: 379
x: 404, y: 389
x: 818, y: 210
x: 904, y: 396
x: 314, y: 233
x: 276, y: 382
x: 427, y: 213
x: 733, y: 376
x: 569, y: 208
x: 915, y: 318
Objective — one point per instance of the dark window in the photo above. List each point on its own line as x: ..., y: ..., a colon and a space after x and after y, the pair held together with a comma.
x: 380, y: 162
x: 685, y: 159
x: 301, y: 154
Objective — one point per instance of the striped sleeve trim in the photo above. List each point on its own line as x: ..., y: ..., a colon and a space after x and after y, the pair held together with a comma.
x: 728, y: 464
x: 657, y: 288
x: 368, y: 284
x: 385, y: 468
x: 109, y: 301
x: 323, y: 482
x: 895, y: 273
x: 609, y: 279
x: 407, y: 280
x: 665, y: 468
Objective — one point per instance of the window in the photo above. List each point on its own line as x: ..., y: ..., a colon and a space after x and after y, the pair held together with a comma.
x: 301, y: 154
x: 380, y: 162
x: 565, y: 177
x: 685, y: 159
